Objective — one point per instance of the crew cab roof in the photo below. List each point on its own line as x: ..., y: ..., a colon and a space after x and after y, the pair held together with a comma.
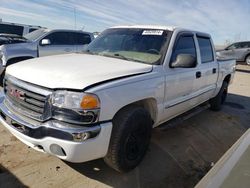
x: 161, y: 27
x: 66, y: 30
x: 170, y: 28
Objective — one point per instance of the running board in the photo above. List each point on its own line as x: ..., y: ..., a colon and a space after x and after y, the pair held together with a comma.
x: 179, y: 119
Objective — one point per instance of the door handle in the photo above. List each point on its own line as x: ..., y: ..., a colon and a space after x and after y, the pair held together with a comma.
x: 214, y: 70
x: 198, y: 74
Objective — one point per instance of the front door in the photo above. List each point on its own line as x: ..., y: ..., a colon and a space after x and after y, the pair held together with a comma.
x: 61, y: 42
x: 180, y: 81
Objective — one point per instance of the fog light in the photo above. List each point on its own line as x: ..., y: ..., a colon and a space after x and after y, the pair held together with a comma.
x: 57, y: 150
x: 78, y: 137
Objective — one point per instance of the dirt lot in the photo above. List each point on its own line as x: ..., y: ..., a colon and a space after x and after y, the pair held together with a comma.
x: 178, y: 156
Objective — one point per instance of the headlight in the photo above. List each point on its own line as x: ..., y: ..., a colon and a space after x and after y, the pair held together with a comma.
x: 75, y: 107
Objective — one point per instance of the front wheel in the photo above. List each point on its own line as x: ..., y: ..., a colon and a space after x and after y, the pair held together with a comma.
x: 217, y: 102
x: 130, y: 138
x: 248, y: 60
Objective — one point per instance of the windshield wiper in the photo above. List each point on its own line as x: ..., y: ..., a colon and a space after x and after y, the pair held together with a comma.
x: 117, y: 55
x: 89, y: 52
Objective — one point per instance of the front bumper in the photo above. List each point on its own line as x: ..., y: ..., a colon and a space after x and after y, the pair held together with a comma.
x: 56, y: 138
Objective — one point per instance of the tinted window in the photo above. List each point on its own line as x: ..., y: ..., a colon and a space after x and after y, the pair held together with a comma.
x: 245, y: 45
x: 206, y: 49
x: 184, y: 45
x: 82, y: 39
x: 61, y: 38
x: 234, y: 46
x: 11, y: 29
x: 32, y: 29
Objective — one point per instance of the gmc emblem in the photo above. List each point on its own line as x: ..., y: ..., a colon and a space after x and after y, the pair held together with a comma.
x: 17, y: 93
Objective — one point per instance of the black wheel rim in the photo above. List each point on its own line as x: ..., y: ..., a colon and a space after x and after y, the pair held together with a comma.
x: 135, y: 144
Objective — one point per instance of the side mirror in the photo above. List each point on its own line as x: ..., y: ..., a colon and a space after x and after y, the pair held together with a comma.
x: 184, y: 61
x: 45, y: 42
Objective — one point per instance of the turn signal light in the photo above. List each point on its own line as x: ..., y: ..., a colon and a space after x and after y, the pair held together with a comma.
x: 90, y: 101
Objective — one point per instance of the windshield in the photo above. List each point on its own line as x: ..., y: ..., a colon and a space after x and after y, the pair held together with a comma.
x: 141, y: 45
x: 35, y: 34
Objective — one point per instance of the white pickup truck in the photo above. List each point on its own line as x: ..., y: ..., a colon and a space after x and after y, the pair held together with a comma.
x: 105, y: 102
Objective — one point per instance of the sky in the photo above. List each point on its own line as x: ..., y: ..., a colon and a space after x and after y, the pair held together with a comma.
x: 225, y: 20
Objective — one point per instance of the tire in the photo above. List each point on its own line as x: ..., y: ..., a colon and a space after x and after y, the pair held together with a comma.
x: 217, y: 102
x: 248, y: 60
x: 1, y: 78
x: 130, y: 138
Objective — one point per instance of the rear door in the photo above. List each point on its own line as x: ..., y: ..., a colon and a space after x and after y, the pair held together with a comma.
x: 61, y: 42
x: 208, y: 67
x: 81, y: 41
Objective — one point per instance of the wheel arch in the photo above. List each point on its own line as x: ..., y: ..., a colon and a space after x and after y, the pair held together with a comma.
x: 17, y: 59
x: 247, y: 55
x: 149, y: 104
x: 227, y: 78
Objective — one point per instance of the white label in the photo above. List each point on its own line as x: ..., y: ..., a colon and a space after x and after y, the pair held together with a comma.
x: 152, y: 32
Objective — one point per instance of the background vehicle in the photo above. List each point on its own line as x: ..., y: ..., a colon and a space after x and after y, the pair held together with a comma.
x: 42, y: 42
x: 11, y: 38
x: 17, y: 29
x: 239, y: 51
x: 105, y: 102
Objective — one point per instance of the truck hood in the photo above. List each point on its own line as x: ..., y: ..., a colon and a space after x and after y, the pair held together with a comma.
x: 17, y: 46
x: 74, y: 71
x: 11, y: 39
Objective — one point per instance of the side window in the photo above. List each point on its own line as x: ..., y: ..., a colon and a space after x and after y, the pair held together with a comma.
x: 82, y: 39
x: 206, y: 49
x: 11, y: 29
x: 184, y: 45
x: 60, y: 38
x: 234, y: 46
x: 245, y: 45
x: 32, y: 29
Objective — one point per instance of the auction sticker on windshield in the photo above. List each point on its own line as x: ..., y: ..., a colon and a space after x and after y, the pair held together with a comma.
x: 152, y: 32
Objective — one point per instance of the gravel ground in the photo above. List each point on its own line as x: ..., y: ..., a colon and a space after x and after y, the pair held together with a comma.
x: 178, y: 157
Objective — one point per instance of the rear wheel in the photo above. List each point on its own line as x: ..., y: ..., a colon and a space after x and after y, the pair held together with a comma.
x: 130, y: 138
x: 248, y: 60
x: 217, y: 102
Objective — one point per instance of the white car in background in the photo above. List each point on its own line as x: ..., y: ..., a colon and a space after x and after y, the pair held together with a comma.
x: 17, y: 29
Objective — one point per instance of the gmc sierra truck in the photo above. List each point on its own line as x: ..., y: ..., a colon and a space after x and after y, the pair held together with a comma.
x: 42, y: 42
x: 103, y: 103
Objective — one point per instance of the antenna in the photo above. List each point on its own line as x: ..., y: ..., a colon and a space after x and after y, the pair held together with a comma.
x: 75, y: 16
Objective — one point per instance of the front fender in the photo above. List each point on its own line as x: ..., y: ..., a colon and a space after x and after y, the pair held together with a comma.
x: 20, y: 50
x: 120, y: 93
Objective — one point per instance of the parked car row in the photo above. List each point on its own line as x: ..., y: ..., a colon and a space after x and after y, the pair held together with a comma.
x: 17, y: 29
x: 104, y: 102
x: 239, y: 51
x: 42, y: 42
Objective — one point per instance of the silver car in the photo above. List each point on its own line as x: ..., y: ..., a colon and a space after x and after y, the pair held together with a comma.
x: 239, y: 51
x: 42, y: 42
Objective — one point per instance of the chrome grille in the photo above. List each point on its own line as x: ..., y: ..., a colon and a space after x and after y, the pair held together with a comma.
x: 27, y: 99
